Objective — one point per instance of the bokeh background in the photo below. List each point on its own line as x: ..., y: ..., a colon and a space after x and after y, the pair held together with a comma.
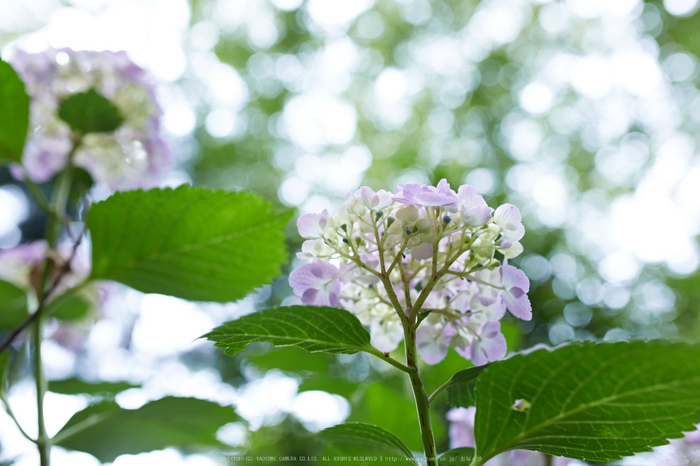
x: 583, y: 113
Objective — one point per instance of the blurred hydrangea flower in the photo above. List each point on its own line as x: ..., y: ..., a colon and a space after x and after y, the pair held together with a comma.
x: 436, y: 248
x: 462, y: 435
x: 22, y: 265
x: 130, y: 157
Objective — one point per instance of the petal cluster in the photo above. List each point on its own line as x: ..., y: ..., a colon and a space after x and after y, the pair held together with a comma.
x: 423, y: 251
x: 133, y: 156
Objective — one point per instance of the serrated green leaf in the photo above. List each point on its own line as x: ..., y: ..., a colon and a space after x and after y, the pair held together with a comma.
x: 460, y: 391
x: 13, y: 305
x: 315, y: 329
x: 106, y: 431
x: 189, y: 242
x: 457, y: 457
x: 14, y: 114
x: 596, y: 402
x: 77, y: 387
x: 365, y: 439
x: 90, y: 112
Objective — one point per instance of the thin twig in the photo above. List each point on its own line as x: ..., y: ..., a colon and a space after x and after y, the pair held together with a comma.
x: 63, y: 271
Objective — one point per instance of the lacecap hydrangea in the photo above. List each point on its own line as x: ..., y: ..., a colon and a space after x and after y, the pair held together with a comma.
x: 422, y: 255
x: 133, y: 156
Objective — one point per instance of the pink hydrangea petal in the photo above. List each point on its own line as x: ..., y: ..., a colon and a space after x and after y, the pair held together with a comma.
x: 512, y: 277
x: 474, y: 210
x: 490, y: 346
x: 432, y: 342
x: 312, y: 225
x: 518, y: 303
x: 509, y: 219
x: 427, y: 196
x: 311, y: 283
x: 508, y: 215
x: 461, y: 427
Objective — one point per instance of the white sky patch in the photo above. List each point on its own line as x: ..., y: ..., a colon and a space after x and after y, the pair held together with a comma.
x: 319, y: 410
x: 483, y: 180
x: 500, y: 21
x: 313, y: 120
x: 336, y: 17
x: 681, y: 7
x: 601, y: 8
x: 554, y: 18
x: 637, y: 71
x: 524, y: 136
x: 154, y: 41
x: 332, y: 67
x: 265, y: 401
x: 441, y: 54
x: 391, y: 85
x: 293, y: 191
x: 619, y: 267
x: 536, y: 98
x: 225, y: 87
x: 14, y: 208
x: 590, y: 76
x: 652, y: 226
x: 262, y: 31
x: 167, y: 325
x: 287, y: 5
x: 224, y: 122
x: 179, y: 119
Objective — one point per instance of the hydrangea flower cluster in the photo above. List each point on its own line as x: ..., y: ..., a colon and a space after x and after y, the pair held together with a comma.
x: 131, y: 157
x: 423, y: 254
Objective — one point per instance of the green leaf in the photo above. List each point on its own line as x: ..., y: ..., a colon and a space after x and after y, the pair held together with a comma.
x: 390, y: 404
x: 192, y: 243
x: 365, y: 439
x: 14, y: 114
x: 13, y: 305
x: 460, y: 391
x: 457, y: 457
x: 68, y: 308
x: 106, y: 431
x: 4, y: 363
x: 315, y: 329
x: 78, y: 387
x: 595, y: 402
x: 90, y: 112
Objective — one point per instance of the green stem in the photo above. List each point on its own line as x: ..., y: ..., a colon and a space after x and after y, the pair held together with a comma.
x: 43, y: 441
x: 440, y: 389
x: 81, y: 426
x: 61, y: 195
x: 38, y: 195
x: 385, y: 357
x: 422, y: 404
x: 8, y: 409
x: 59, y: 201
